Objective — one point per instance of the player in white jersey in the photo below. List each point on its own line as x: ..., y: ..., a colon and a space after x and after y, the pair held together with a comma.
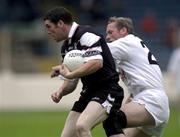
x: 147, y: 111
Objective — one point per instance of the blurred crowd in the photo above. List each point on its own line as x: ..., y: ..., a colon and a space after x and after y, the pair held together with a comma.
x: 156, y: 22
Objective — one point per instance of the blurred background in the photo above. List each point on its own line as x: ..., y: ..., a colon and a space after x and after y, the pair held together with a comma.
x: 27, y: 54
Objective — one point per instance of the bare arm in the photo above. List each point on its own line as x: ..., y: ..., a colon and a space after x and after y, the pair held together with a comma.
x: 66, y: 88
x: 86, y: 69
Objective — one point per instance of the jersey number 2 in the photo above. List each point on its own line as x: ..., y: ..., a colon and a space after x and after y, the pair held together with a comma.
x: 150, y: 55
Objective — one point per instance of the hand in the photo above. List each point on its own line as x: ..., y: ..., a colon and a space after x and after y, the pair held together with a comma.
x: 56, y: 96
x: 64, y: 71
x: 55, y: 71
x: 129, y: 99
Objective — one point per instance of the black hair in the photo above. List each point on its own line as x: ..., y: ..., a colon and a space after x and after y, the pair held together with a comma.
x: 59, y: 13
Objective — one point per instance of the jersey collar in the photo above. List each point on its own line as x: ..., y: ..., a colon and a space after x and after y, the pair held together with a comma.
x: 73, y: 29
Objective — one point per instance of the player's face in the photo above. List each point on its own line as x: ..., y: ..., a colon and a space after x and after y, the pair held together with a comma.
x: 56, y: 31
x: 112, y: 33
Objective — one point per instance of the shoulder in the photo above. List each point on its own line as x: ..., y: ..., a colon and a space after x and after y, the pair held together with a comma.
x: 85, y: 28
x: 120, y: 43
x: 87, y: 35
x: 124, y: 45
x: 85, y: 31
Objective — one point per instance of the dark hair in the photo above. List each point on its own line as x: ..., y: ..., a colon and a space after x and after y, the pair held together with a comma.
x: 59, y: 13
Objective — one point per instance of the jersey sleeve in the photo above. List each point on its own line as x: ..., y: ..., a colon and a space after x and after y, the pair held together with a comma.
x: 92, y: 45
x: 119, y: 50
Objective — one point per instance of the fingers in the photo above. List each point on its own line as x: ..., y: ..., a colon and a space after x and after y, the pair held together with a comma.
x: 55, y: 73
x: 64, y: 67
x: 56, y: 67
x: 56, y: 97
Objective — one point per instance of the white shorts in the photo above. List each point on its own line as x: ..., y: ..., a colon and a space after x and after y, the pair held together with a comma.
x: 157, y: 104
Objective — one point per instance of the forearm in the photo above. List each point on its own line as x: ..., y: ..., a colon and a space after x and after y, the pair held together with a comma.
x: 68, y: 87
x: 87, y: 69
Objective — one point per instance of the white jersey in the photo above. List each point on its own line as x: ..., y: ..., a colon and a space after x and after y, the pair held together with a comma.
x: 137, y: 66
x: 142, y: 76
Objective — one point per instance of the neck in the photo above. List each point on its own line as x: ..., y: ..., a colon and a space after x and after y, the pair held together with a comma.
x: 67, y: 28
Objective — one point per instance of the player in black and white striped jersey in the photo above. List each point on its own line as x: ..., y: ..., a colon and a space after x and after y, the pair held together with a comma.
x: 101, y: 92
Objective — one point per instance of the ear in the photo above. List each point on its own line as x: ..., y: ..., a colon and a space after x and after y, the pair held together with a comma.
x: 124, y: 29
x: 60, y: 23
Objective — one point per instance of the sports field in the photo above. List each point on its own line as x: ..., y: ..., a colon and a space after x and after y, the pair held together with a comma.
x: 50, y: 124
